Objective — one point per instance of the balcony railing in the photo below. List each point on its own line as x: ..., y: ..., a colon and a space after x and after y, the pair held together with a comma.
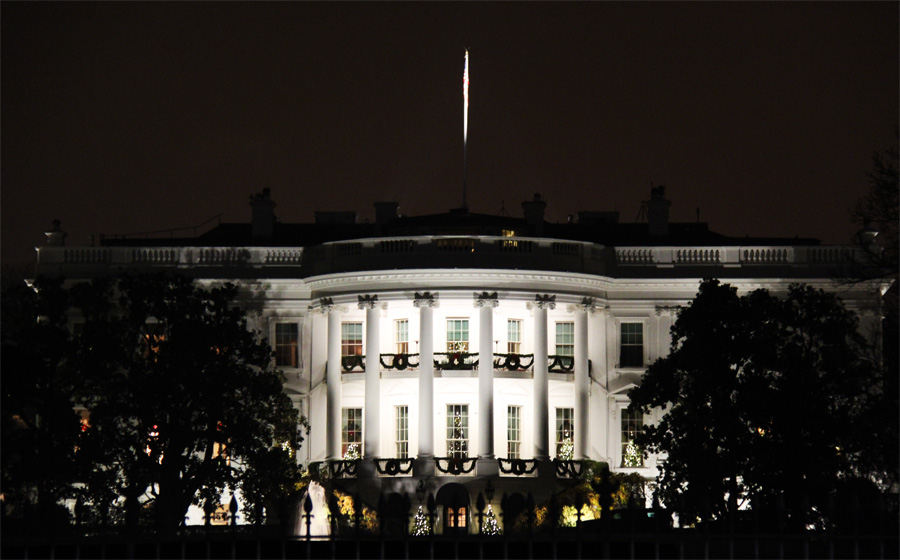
x: 461, y: 361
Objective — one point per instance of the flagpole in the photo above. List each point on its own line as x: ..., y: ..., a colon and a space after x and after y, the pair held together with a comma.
x: 465, y: 125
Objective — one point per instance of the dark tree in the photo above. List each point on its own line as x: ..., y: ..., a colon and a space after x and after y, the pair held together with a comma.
x: 763, y: 397
x: 183, y: 399
x: 878, y: 218
x: 40, y: 428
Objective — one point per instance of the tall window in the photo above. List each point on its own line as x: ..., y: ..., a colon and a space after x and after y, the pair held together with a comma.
x: 631, y: 350
x: 351, y: 339
x: 565, y: 433
x: 565, y: 339
x: 513, y: 431
x: 351, y: 433
x: 455, y: 518
x: 632, y: 422
x: 401, y: 336
x: 286, y: 335
x: 514, y: 336
x: 458, y: 430
x: 457, y: 335
x: 401, y: 430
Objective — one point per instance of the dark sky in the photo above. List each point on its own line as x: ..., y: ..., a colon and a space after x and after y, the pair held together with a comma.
x: 126, y: 117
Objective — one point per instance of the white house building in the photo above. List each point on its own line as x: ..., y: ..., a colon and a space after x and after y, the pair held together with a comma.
x: 463, y: 353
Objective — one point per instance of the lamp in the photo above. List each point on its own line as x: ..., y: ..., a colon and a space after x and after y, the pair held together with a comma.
x: 489, y: 492
x: 420, y: 490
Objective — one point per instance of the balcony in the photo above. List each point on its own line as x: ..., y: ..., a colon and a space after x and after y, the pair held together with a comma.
x: 459, y: 361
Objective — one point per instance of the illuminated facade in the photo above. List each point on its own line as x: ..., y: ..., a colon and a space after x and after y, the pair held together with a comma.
x: 466, y: 351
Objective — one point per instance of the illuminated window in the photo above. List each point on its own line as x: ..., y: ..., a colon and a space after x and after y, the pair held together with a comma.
x: 401, y: 336
x: 632, y: 422
x: 565, y: 432
x: 457, y: 335
x: 631, y: 349
x: 351, y: 339
x: 456, y: 517
x: 514, y: 336
x: 513, y: 431
x: 286, y: 336
x: 458, y: 430
x: 565, y: 339
x: 152, y: 338
x: 351, y: 433
x: 401, y: 415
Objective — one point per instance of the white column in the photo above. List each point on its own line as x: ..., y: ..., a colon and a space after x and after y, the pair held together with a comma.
x: 486, y: 303
x: 426, y: 304
x: 333, y: 385
x: 372, y: 414
x: 541, y: 386
x: 582, y: 381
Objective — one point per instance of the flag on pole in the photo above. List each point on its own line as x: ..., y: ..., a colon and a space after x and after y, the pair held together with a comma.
x: 466, y: 98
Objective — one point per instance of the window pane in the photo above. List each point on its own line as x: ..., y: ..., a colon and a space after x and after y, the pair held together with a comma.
x: 351, y: 339
x: 458, y: 430
x: 631, y: 350
x: 351, y: 433
x: 565, y: 339
x: 457, y: 335
x: 401, y: 336
x: 402, y: 431
x: 632, y: 422
x: 514, y: 336
x: 286, y: 344
x: 565, y: 432
x: 513, y: 432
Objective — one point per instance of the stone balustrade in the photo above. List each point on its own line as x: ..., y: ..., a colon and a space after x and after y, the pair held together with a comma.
x: 444, y: 252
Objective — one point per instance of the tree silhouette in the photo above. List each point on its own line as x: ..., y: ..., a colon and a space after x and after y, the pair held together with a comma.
x: 183, y: 399
x: 764, y: 397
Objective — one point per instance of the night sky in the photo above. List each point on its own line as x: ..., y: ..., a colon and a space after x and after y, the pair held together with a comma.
x: 128, y: 117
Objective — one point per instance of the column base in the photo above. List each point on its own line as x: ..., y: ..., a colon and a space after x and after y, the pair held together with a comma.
x: 487, y: 466
x: 423, y: 467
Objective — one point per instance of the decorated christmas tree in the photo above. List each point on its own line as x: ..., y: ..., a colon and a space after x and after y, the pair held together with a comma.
x: 352, y: 452
x: 633, y: 456
x: 421, y: 526
x: 490, y: 526
x: 567, y: 450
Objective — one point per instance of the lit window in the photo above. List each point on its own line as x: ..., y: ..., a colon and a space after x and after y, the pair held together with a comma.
x: 351, y: 339
x: 286, y: 335
x: 457, y: 335
x: 401, y: 336
x: 565, y: 339
x: 632, y: 422
x: 401, y: 415
x: 513, y: 431
x: 456, y: 517
x: 565, y: 432
x: 351, y: 433
x: 458, y: 430
x: 514, y: 336
x: 631, y: 350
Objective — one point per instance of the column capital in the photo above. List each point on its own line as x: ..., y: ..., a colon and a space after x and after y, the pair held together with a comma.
x: 670, y: 310
x: 485, y: 299
x: 545, y: 301
x: 425, y: 299
x: 587, y: 304
x: 325, y: 305
x: 367, y: 301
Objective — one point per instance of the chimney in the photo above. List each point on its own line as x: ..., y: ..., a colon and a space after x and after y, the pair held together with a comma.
x: 263, y: 224
x: 534, y: 214
x: 56, y: 237
x: 658, y: 211
x: 384, y: 213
